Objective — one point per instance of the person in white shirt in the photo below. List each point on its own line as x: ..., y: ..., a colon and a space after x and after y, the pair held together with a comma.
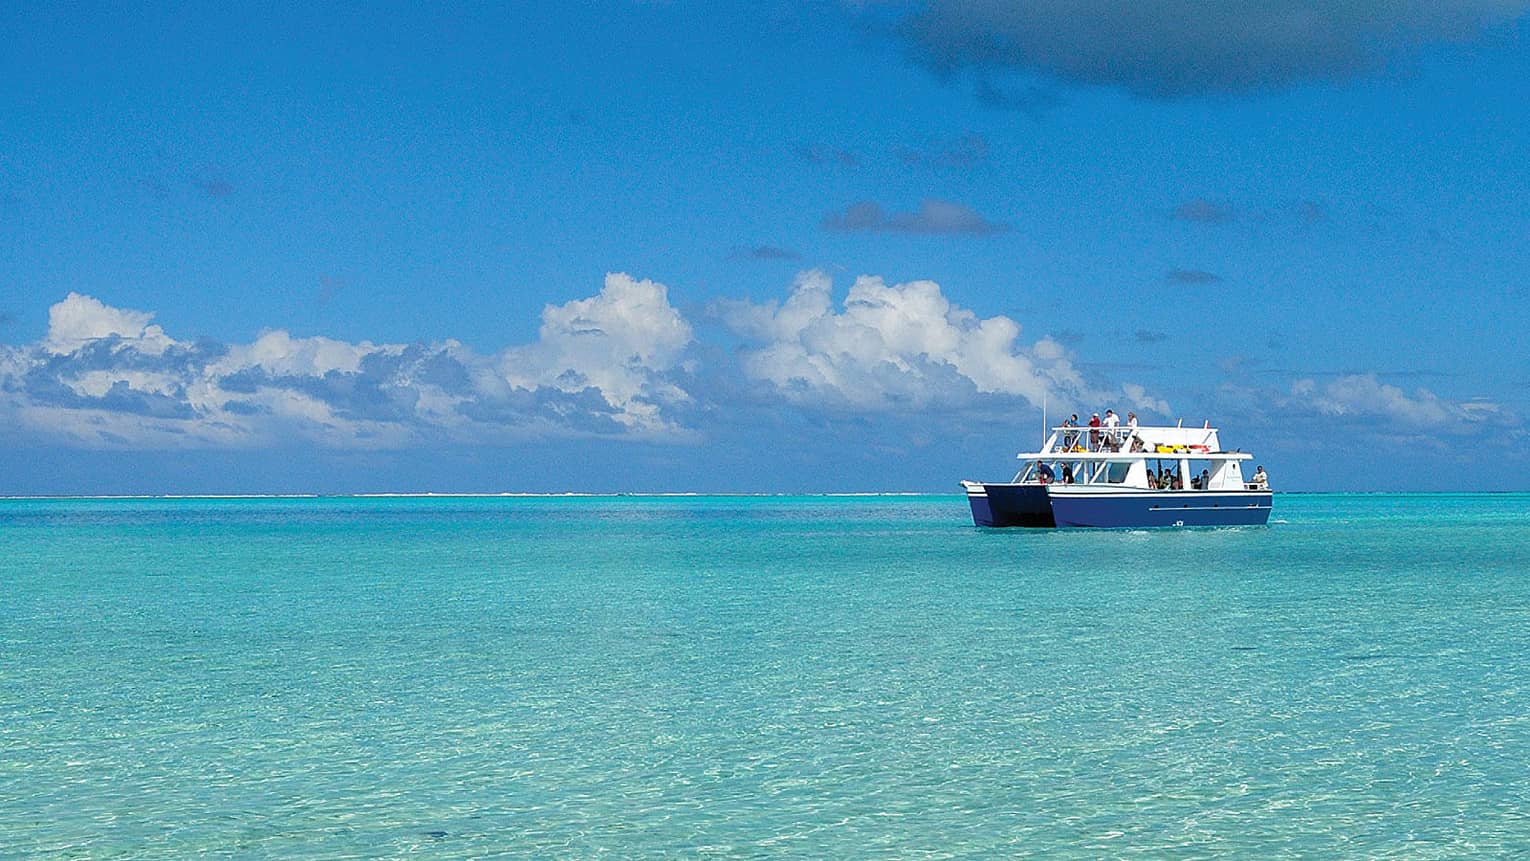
x: 1261, y: 479
x: 1112, y: 422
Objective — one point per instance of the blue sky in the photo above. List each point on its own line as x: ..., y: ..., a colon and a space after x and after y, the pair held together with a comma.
x: 802, y: 246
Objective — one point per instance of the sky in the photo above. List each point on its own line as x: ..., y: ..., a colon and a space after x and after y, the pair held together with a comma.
x: 756, y: 247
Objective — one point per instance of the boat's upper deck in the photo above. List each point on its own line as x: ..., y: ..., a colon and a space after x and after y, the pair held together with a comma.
x: 1102, y: 443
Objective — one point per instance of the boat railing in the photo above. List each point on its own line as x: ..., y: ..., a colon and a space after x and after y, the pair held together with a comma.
x: 1128, y: 438
x: 1085, y: 439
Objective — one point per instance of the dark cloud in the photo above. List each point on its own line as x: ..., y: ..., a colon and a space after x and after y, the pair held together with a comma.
x: 1113, y: 367
x: 46, y: 389
x: 820, y: 154
x: 245, y: 381
x: 583, y: 411
x: 1180, y: 48
x: 969, y: 150
x: 420, y: 364
x: 1311, y: 212
x: 765, y: 252
x: 330, y: 287
x: 363, y: 396
x: 1030, y: 99
x: 1395, y: 374
x: 1202, y: 211
x: 117, y: 354
x: 1237, y: 364
x: 123, y: 398
x: 350, y: 395
x: 934, y: 216
x: 245, y: 408
x: 1419, y: 374
x: 214, y: 187
x: 385, y: 389
x: 1192, y: 276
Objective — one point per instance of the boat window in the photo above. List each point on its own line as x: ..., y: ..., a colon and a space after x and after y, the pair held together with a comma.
x: 1116, y: 472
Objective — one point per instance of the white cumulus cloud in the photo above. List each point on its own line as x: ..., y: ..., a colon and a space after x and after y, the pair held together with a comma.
x: 620, y: 341
x: 620, y: 364
x: 79, y: 320
x: 105, y: 376
x: 279, y: 353
x: 1364, y: 396
x: 901, y: 346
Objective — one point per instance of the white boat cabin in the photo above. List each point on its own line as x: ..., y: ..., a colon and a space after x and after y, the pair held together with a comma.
x: 1140, y: 458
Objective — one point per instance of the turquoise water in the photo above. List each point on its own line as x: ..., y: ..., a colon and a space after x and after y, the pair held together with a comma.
x: 862, y: 677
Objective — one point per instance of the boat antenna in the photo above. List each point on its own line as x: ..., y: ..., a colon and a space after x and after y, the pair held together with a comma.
x: 1043, y: 417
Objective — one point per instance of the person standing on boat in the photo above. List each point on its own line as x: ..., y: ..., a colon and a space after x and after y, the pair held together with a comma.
x: 1094, y: 432
x: 1112, y: 436
x: 1261, y: 478
x: 1131, y: 421
x: 1070, y: 438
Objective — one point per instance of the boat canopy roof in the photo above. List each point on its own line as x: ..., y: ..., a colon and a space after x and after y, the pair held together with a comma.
x: 1086, y: 443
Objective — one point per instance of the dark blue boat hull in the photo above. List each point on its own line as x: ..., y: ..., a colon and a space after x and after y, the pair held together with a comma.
x: 1161, y: 508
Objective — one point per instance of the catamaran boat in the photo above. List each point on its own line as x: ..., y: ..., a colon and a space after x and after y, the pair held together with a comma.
x: 1126, y: 477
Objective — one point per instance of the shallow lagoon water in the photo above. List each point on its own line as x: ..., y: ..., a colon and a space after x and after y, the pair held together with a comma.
x: 760, y: 677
